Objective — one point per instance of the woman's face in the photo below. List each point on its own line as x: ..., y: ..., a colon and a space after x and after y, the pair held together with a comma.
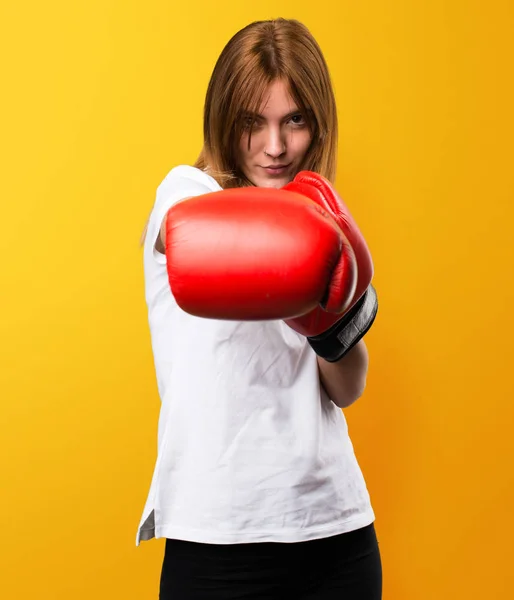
x: 280, y: 138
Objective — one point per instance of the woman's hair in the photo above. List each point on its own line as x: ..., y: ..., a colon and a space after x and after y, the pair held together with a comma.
x: 257, y: 55
x: 254, y: 57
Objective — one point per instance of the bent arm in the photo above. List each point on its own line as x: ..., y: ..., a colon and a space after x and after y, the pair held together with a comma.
x: 160, y: 242
x: 345, y: 380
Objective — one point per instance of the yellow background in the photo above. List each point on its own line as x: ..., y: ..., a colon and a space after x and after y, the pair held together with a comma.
x: 99, y: 100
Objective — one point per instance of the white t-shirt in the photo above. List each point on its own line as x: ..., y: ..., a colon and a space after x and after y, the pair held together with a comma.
x: 250, y: 448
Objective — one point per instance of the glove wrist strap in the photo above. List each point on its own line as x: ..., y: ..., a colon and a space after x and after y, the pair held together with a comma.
x: 334, y: 343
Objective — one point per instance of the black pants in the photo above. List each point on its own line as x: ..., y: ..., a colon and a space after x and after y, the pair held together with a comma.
x: 345, y: 566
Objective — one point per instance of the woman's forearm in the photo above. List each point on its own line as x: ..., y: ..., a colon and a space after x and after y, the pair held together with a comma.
x: 345, y: 380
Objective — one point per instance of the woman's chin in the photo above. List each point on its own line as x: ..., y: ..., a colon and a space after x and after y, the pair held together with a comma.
x: 272, y: 182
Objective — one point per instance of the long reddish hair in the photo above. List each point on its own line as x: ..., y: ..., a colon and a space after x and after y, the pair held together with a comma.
x: 254, y: 57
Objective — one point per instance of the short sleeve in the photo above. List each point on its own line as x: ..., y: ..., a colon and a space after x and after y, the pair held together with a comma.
x: 181, y: 182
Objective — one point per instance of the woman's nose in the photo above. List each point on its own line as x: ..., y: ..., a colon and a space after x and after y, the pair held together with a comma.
x: 275, y: 145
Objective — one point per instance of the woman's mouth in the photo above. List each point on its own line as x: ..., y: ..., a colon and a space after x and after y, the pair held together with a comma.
x: 275, y: 169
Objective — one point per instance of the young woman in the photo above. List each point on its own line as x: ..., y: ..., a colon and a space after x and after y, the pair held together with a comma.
x: 258, y: 285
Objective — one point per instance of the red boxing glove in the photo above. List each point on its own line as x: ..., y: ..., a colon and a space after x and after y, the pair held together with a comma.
x: 257, y: 253
x: 333, y: 335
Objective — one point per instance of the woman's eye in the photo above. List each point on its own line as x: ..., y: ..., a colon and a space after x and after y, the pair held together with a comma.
x: 250, y: 123
x: 298, y: 119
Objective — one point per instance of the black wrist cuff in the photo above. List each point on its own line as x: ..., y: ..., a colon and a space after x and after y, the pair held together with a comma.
x: 334, y: 343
